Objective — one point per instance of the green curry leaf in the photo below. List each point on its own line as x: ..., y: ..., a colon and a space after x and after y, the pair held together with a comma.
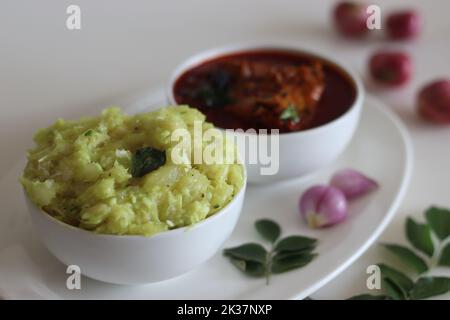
x: 290, y: 114
x: 287, y: 263
x: 295, y: 243
x: 439, y: 221
x: 268, y: 229
x: 248, y: 252
x: 401, y: 280
x: 251, y: 268
x: 146, y: 160
x: 408, y: 257
x: 419, y: 235
x: 444, y: 259
x: 430, y: 286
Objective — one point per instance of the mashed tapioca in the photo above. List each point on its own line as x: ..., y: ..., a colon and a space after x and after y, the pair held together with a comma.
x: 115, y: 173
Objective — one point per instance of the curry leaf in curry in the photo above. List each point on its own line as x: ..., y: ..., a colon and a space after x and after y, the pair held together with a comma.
x: 89, y: 133
x: 146, y: 160
x: 290, y: 114
x: 214, y: 93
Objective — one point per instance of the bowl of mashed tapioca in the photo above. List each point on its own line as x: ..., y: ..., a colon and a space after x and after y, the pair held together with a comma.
x: 134, y: 199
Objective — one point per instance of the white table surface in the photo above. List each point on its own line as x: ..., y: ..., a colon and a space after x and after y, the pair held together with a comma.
x: 47, y: 71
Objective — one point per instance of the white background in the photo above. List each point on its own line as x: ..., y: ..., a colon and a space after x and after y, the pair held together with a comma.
x: 47, y: 71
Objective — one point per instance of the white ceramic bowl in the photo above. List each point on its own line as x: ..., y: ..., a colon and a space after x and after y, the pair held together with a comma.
x: 302, y: 152
x: 137, y: 259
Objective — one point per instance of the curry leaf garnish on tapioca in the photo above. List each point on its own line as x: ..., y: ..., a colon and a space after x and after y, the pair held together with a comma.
x: 146, y: 160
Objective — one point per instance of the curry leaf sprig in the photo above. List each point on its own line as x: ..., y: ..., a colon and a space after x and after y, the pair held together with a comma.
x: 431, y: 248
x: 285, y: 254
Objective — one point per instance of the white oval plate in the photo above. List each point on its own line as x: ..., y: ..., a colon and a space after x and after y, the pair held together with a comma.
x: 381, y: 148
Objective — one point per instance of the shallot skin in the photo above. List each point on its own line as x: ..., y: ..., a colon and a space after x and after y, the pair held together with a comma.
x: 323, y: 206
x: 391, y: 68
x: 353, y: 183
x: 403, y: 25
x: 434, y: 101
x: 350, y: 19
